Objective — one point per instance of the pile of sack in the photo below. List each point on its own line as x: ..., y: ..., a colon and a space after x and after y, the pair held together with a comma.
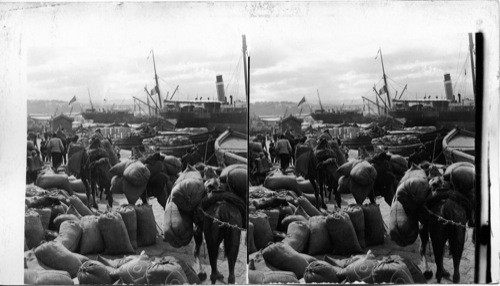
x: 358, y: 178
x: 133, y: 269
x: 284, y: 216
x: 301, y: 268
x: 59, y: 229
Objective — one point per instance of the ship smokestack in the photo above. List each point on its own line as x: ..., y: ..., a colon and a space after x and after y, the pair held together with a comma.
x: 447, y: 87
x: 220, y: 88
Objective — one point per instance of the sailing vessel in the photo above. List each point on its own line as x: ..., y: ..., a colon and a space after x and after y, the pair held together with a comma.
x: 337, y: 117
x: 218, y: 113
x: 107, y: 116
x: 446, y: 113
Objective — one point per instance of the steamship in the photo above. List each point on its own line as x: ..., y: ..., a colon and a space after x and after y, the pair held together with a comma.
x: 218, y: 114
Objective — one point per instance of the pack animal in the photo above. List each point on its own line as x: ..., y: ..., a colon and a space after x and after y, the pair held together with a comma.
x: 219, y: 206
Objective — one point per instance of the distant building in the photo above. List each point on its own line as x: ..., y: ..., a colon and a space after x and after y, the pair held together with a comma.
x: 291, y: 123
x: 62, y: 121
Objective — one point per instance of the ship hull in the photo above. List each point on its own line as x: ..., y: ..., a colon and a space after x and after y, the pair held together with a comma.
x: 337, y: 118
x: 442, y: 119
x: 219, y: 121
x: 108, y: 117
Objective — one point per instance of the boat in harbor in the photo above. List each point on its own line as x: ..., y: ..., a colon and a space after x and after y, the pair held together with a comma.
x: 219, y: 112
x: 459, y: 146
x: 231, y: 147
x: 446, y: 113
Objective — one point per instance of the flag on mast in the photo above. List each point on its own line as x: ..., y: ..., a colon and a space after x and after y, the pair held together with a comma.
x: 383, y: 90
x: 72, y: 100
x: 302, y: 101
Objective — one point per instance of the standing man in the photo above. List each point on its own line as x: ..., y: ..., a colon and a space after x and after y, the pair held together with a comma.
x: 284, y: 151
x: 55, y: 148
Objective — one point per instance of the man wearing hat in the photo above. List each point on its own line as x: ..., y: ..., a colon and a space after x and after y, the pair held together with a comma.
x: 55, y: 148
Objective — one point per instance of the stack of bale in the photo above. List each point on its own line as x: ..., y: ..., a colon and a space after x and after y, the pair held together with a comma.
x: 130, y: 177
x: 132, y: 269
x: 187, y: 193
x: 412, y: 191
x: 60, y: 230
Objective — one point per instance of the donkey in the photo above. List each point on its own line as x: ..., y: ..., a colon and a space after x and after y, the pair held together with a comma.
x: 219, y: 206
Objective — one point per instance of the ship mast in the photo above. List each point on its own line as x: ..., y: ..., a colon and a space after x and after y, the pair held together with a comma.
x: 245, y: 71
x: 320, y: 105
x: 385, y: 79
x: 157, y: 87
x: 90, y: 99
x: 471, y: 49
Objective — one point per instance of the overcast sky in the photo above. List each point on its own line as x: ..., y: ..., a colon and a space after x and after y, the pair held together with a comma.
x: 294, y: 49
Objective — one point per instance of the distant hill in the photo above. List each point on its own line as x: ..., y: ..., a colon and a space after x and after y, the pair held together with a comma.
x: 275, y: 108
x: 49, y: 107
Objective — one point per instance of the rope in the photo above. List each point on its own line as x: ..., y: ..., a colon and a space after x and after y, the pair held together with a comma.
x: 444, y: 221
x: 221, y: 223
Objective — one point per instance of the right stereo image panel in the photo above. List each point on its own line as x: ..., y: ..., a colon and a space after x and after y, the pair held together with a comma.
x: 365, y: 145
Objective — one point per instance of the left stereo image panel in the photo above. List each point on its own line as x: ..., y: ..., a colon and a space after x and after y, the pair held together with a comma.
x: 137, y: 138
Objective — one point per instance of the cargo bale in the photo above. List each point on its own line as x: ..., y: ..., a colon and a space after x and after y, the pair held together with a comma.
x: 33, y: 229
x: 94, y: 272
x: 355, y: 213
x: 284, y: 257
x: 450, y: 168
x: 250, y: 239
x: 91, y: 241
x: 392, y: 270
x: 146, y: 225
x: 133, y: 270
x: 403, y: 229
x: 412, y: 194
x: 308, y: 207
x: 130, y: 219
x: 47, y: 277
x: 189, y: 271
x: 114, y: 234
x: 119, y: 168
x: 291, y: 218
x: 137, y: 174
x: 344, y: 185
x: 45, y: 214
x: 297, y: 235
x: 187, y: 194
x: 282, y: 182
x: 58, y: 181
x: 77, y: 186
x: 58, y: 257
x: 263, y: 233
x: 173, y: 165
x: 301, y: 212
x: 132, y: 192
x: 70, y: 233
x: 305, y: 187
x: 342, y: 234
x: 178, y: 226
x: 72, y: 211
x: 319, y: 239
x: 238, y: 182
x: 363, y: 174
x: 345, y: 169
x: 117, y: 185
x: 165, y: 272
x: 272, y: 277
x: 320, y: 272
x: 374, y: 225
x: 62, y: 218
x: 80, y: 206
x: 359, y: 270
x: 272, y: 216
